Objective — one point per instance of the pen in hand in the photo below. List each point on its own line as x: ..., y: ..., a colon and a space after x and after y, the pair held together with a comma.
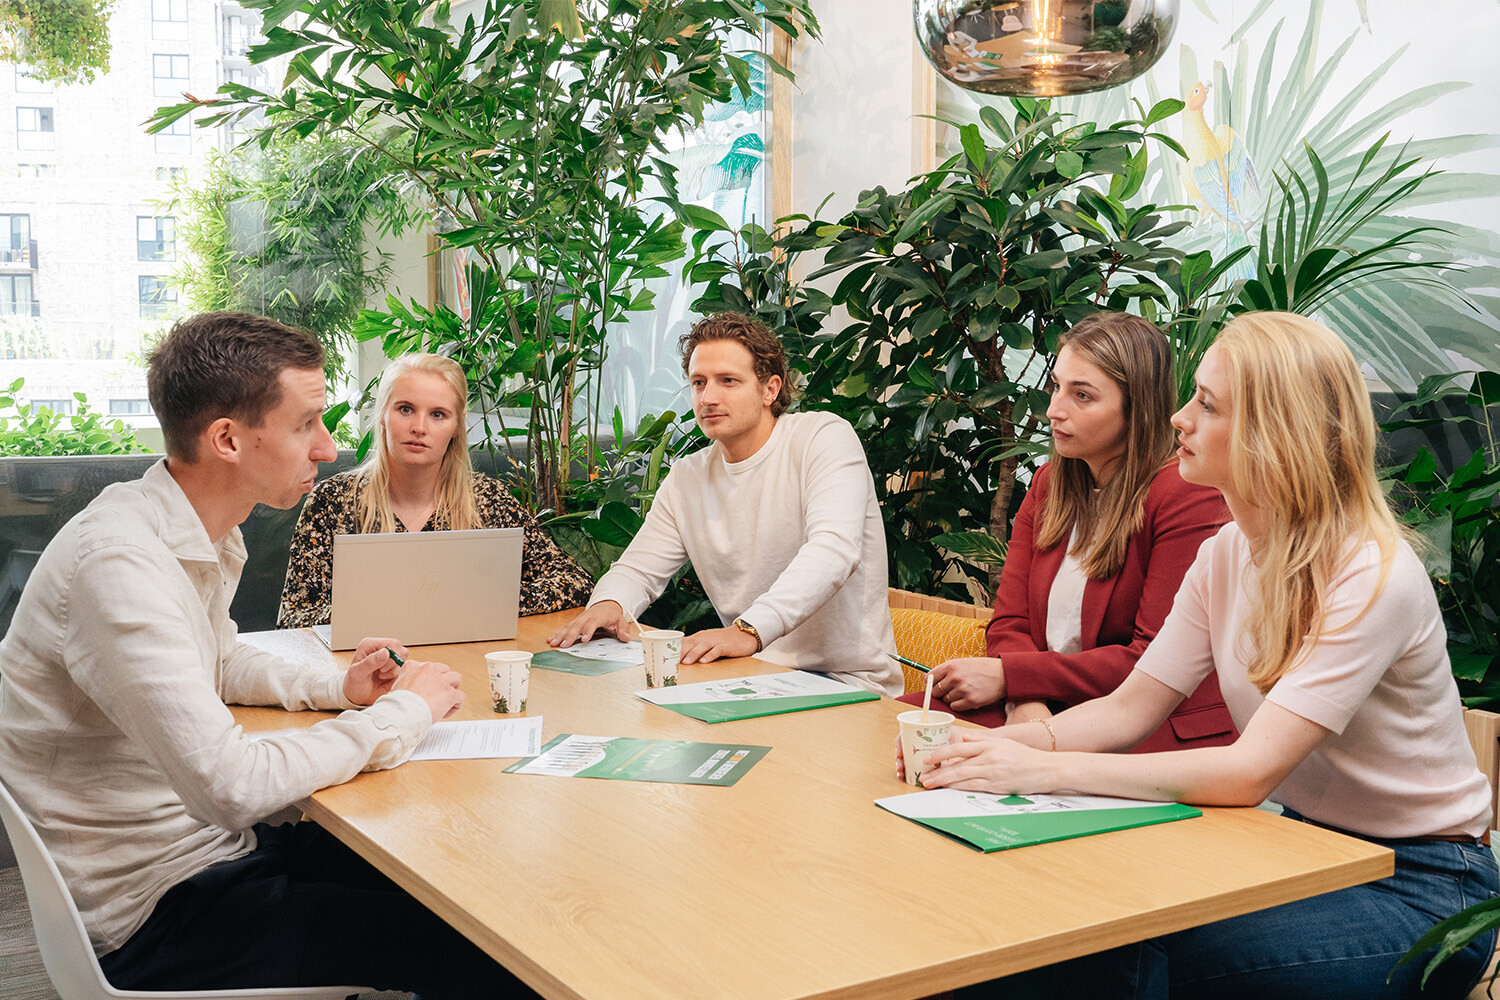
x: 910, y: 663
x: 401, y: 663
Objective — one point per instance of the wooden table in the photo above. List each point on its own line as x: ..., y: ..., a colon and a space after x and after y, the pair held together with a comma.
x: 788, y: 884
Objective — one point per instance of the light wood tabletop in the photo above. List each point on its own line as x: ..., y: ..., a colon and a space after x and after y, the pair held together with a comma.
x: 789, y: 884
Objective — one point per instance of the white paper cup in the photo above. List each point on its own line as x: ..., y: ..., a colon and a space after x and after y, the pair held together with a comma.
x: 919, y: 739
x: 510, y: 679
x: 663, y: 651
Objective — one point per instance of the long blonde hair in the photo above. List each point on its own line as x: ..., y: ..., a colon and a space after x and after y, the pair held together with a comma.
x: 455, y: 492
x: 1135, y: 355
x: 1303, y: 451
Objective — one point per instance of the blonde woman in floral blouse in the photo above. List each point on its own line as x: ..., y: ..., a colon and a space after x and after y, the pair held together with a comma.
x: 419, y: 479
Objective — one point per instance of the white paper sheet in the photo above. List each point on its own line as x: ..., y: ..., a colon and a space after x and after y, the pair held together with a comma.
x: 608, y: 649
x: 485, y: 738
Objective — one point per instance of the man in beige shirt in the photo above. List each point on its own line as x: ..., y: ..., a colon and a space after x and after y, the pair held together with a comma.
x: 114, y: 732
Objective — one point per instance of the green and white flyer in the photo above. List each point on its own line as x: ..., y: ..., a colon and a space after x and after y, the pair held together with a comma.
x: 752, y: 697
x: 625, y: 759
x: 999, y: 822
x: 599, y: 656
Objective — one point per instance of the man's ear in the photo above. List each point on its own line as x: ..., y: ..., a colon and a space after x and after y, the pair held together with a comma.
x: 220, y: 439
x: 772, y: 386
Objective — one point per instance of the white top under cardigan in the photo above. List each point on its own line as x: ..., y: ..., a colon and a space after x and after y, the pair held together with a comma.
x: 1397, y: 762
x: 790, y: 539
x: 114, y: 735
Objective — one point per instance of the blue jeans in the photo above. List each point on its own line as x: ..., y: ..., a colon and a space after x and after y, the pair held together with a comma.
x: 1338, y: 945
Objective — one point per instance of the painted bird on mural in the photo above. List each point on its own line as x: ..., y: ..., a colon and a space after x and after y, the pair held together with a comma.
x: 1219, y: 174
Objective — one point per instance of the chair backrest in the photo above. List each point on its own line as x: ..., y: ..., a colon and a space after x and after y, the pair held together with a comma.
x: 60, y: 935
x: 1484, y: 736
x: 64, y: 943
x: 933, y: 629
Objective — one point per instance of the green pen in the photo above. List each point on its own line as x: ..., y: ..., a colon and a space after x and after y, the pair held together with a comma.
x: 910, y: 663
x: 401, y: 663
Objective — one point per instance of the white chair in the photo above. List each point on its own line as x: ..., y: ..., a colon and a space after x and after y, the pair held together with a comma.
x: 64, y: 944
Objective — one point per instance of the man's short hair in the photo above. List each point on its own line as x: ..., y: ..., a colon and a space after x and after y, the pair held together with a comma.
x: 755, y: 337
x: 222, y: 364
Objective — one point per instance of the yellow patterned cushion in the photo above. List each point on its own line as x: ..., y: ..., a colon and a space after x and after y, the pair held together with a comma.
x: 930, y: 637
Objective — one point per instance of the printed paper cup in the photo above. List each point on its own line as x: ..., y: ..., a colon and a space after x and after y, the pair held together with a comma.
x: 510, y: 678
x: 919, y: 739
x: 663, y: 651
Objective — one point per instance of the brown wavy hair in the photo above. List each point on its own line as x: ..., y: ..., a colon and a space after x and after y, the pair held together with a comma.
x: 1135, y: 355
x: 754, y: 336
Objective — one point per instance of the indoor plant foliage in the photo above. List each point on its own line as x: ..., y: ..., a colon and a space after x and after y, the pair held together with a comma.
x: 281, y: 231
x: 958, y: 289
x: 530, y: 135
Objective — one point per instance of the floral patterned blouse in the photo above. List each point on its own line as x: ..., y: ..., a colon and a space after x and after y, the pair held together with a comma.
x: 550, y: 580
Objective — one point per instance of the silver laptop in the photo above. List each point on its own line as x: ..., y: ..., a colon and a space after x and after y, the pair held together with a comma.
x: 426, y: 587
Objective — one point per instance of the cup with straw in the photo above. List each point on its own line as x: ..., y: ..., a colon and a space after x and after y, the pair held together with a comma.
x: 922, y: 732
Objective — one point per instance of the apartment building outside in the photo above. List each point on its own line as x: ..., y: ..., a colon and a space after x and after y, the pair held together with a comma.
x: 86, y: 252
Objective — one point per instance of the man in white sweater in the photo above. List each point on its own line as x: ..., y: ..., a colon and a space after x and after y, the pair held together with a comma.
x: 778, y: 518
x: 116, y: 741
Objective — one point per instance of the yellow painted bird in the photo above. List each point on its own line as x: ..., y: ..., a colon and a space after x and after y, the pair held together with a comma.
x: 1219, y: 174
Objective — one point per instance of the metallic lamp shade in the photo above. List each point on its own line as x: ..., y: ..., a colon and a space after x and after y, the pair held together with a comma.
x: 1043, y: 48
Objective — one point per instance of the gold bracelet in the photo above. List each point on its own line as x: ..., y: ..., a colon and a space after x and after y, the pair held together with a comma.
x: 1050, y: 732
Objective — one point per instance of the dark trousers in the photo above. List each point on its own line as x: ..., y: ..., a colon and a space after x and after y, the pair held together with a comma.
x: 301, y: 910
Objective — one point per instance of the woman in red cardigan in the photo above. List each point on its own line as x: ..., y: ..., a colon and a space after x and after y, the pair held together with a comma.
x: 1100, y: 545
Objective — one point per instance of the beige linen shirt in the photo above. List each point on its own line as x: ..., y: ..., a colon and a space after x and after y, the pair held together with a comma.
x: 114, y: 733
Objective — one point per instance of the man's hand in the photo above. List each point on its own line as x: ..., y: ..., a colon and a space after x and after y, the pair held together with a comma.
x: 969, y: 682
x: 606, y: 616
x: 717, y: 643
x: 372, y: 671
x: 436, y: 683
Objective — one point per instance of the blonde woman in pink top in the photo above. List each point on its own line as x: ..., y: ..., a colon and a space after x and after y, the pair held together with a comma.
x: 1325, y: 635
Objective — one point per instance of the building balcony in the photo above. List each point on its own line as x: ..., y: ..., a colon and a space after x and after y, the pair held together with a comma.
x: 20, y: 307
x: 22, y: 257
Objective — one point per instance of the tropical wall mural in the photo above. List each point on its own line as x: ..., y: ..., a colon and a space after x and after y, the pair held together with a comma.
x: 1263, y: 82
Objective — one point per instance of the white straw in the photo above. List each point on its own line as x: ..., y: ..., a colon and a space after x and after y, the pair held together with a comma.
x: 927, y: 698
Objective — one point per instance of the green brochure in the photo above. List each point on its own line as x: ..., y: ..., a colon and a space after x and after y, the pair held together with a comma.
x: 752, y: 697
x: 999, y: 822
x: 598, y: 656
x: 624, y: 759
x: 556, y: 659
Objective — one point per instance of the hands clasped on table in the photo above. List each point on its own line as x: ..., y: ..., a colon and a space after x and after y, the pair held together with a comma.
x: 379, y: 667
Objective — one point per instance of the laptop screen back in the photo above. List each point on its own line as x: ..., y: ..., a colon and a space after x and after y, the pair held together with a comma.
x: 427, y: 587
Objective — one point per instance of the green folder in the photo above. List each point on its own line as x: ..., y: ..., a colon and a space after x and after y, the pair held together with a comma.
x: 1000, y: 822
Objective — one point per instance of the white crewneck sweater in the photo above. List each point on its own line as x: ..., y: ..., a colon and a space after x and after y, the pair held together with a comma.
x: 790, y: 539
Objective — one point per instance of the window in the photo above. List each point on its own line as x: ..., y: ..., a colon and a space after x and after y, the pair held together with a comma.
x: 16, y: 296
x: 176, y: 139
x: 33, y: 128
x: 235, y: 75
x: 27, y: 84
x: 36, y: 170
x: 236, y: 38
x: 169, y: 75
x: 129, y: 407
x: 155, y: 237
x: 62, y: 407
x: 158, y: 299
x: 169, y: 19
x: 15, y: 240
x: 167, y: 174
x: 15, y: 231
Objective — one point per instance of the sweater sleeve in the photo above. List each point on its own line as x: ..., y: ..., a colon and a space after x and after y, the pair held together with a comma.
x: 835, y: 498
x: 1179, y: 517
x: 643, y: 570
